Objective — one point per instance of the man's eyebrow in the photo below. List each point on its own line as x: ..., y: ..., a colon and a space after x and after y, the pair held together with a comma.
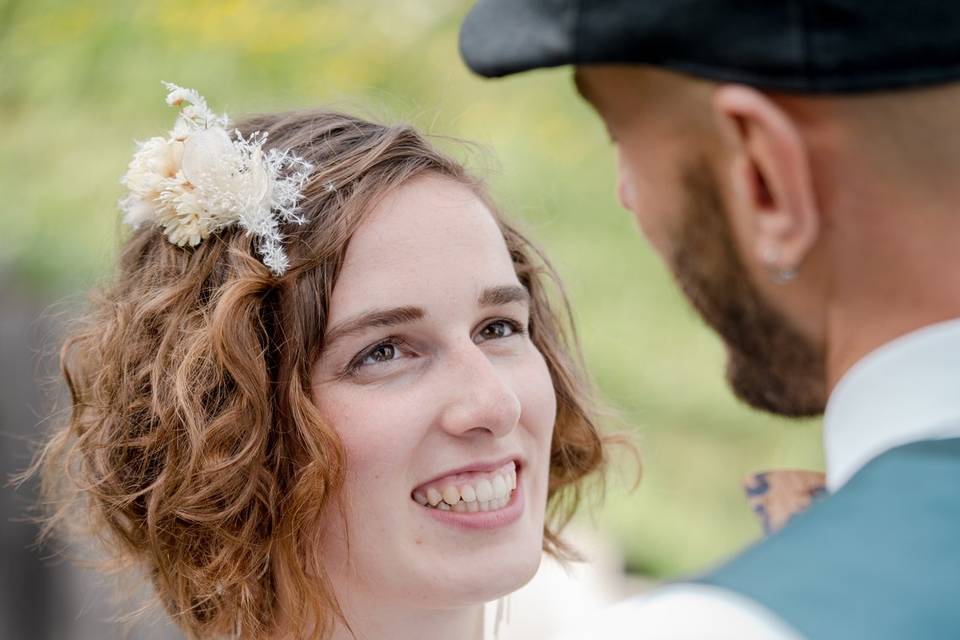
x: 374, y: 318
x: 496, y: 296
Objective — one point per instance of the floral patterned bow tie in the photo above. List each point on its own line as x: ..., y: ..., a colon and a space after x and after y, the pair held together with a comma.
x: 777, y: 496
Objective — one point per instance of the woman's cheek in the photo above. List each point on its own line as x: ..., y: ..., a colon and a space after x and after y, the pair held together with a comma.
x: 538, y: 400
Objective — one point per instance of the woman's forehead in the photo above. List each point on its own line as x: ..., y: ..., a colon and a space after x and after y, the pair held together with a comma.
x: 432, y: 233
x: 423, y: 209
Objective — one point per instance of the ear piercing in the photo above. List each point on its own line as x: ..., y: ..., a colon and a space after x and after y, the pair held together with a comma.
x: 771, y: 258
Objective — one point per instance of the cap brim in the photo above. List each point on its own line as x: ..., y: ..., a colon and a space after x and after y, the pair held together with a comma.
x: 503, y: 37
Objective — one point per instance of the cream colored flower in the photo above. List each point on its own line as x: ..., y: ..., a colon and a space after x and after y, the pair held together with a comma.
x: 156, y: 162
x: 201, y: 180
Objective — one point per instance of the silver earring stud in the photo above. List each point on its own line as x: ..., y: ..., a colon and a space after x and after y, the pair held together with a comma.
x: 771, y: 257
x: 784, y: 275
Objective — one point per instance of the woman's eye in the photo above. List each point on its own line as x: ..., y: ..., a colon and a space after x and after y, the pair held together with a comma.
x: 383, y: 353
x: 380, y: 353
x: 499, y: 329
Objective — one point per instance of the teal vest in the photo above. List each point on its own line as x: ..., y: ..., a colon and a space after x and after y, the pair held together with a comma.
x: 877, y: 560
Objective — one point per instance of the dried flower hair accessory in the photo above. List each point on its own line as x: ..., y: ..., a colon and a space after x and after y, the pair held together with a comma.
x: 200, y: 179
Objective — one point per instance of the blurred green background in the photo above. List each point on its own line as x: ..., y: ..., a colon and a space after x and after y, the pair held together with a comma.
x: 80, y: 81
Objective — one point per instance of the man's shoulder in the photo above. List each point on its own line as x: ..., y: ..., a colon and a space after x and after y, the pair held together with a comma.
x: 684, y: 611
x: 898, y: 514
x: 876, y: 559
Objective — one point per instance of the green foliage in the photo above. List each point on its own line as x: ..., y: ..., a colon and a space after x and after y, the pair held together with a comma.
x: 80, y: 81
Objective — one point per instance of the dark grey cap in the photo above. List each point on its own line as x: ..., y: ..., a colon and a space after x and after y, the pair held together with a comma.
x: 810, y: 46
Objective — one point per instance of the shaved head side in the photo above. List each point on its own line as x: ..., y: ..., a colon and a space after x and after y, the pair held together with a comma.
x: 791, y: 220
x: 907, y: 141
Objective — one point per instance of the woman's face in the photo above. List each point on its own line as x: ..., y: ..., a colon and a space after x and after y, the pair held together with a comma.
x: 442, y: 402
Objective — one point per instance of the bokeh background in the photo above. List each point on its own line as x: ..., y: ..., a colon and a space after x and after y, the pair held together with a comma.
x: 80, y: 81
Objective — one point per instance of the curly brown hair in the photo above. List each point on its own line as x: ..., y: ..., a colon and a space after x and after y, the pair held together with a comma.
x: 193, y: 448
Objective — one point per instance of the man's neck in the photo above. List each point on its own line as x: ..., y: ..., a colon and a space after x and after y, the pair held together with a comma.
x: 886, y: 294
x: 853, y: 339
x: 891, y: 220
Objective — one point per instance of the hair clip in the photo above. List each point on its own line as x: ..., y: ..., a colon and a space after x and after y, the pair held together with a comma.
x: 200, y: 180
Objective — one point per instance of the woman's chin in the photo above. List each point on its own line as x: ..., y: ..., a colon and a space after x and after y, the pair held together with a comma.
x: 478, y: 578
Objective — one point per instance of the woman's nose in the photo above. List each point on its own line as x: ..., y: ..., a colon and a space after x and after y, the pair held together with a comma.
x: 480, y: 397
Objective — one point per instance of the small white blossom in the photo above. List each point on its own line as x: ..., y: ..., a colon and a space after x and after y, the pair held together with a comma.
x: 195, y: 115
x: 201, y: 180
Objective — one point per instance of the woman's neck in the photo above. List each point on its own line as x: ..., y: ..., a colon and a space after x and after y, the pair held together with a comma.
x: 377, y: 622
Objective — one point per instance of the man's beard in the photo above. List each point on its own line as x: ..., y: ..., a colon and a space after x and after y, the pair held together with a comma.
x: 770, y: 365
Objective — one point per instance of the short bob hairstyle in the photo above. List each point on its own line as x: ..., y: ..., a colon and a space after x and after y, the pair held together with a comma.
x: 193, y: 450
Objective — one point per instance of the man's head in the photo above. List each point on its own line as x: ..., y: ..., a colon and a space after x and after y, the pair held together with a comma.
x: 806, y: 230
x: 674, y: 175
x: 808, y: 227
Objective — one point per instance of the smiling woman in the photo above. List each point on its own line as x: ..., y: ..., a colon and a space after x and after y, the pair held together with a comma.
x: 444, y: 405
x: 372, y: 436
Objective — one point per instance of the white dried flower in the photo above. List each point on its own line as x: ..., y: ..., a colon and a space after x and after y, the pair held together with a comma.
x: 201, y: 180
x: 194, y: 115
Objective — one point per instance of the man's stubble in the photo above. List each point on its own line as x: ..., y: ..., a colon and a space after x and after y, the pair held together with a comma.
x: 770, y: 365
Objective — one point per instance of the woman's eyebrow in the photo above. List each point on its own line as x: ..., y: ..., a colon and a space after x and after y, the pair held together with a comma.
x: 490, y: 297
x: 496, y: 296
x: 374, y: 318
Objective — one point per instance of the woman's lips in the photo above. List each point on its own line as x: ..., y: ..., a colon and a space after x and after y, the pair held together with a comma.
x: 475, y: 500
x: 470, y: 492
x: 482, y: 520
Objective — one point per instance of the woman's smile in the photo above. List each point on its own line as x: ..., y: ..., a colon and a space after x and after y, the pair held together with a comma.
x: 481, y: 497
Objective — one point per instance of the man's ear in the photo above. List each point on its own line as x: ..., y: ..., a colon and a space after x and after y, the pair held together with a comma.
x: 772, y: 186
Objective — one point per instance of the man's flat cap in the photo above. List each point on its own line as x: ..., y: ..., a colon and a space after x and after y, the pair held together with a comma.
x: 809, y: 46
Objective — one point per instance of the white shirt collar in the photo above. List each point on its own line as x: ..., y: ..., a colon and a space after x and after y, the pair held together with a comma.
x: 905, y: 391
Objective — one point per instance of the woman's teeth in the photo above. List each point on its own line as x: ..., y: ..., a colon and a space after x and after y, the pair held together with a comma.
x: 479, y: 492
